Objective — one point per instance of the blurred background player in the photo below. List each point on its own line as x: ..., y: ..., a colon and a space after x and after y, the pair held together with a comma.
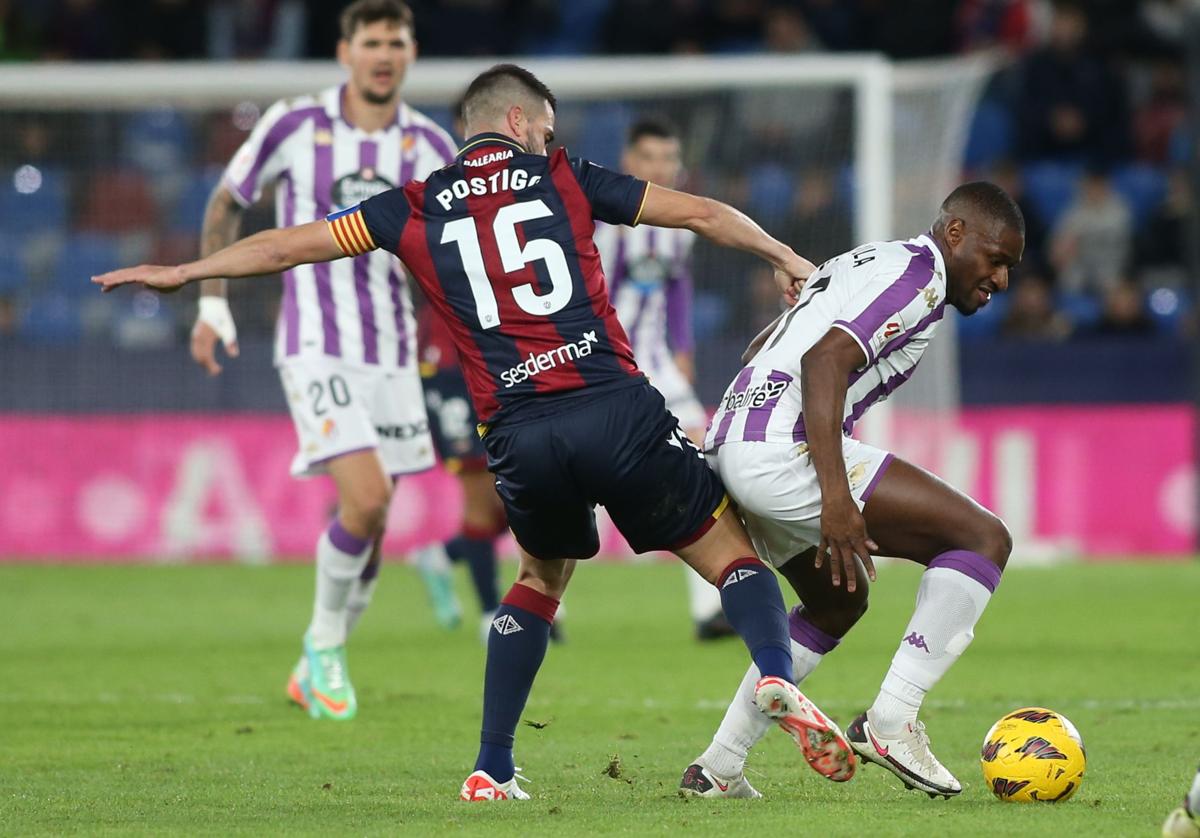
x: 454, y: 425
x: 346, y: 337
x: 1184, y: 822
x: 649, y: 276
x: 811, y: 494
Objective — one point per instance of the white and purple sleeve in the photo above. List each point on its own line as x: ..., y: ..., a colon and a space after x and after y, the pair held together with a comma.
x: 890, y: 304
x: 258, y: 161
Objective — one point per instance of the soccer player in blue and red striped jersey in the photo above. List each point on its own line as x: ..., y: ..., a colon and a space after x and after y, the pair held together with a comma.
x: 501, y: 243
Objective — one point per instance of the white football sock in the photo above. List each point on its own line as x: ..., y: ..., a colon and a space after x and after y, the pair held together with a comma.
x: 360, y: 597
x: 1193, y: 797
x: 341, y: 558
x: 704, y: 599
x: 953, y: 593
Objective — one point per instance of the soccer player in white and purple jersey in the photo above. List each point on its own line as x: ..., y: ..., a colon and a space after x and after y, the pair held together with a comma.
x: 649, y: 272
x: 809, y: 493
x: 346, y: 338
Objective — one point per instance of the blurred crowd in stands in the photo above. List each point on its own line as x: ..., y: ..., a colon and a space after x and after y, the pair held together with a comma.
x: 1084, y: 125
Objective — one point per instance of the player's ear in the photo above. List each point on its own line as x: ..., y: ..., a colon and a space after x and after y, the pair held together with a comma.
x: 515, y: 120
x: 343, y: 52
x: 955, y: 231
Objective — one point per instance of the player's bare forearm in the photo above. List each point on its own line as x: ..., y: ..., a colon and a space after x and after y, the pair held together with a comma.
x: 722, y: 225
x: 222, y: 223
x: 268, y: 252
x: 824, y: 378
x: 760, y: 339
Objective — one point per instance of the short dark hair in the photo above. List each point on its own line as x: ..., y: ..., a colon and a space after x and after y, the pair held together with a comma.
x: 651, y: 126
x: 987, y: 199
x: 365, y: 12
x: 493, y: 79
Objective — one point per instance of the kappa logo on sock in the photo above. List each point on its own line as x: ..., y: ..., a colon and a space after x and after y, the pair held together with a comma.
x: 918, y: 641
x: 738, y: 575
x: 505, y: 624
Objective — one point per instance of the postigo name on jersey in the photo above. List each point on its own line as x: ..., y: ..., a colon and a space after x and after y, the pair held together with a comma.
x: 756, y: 396
x: 505, y: 180
x: 539, y: 363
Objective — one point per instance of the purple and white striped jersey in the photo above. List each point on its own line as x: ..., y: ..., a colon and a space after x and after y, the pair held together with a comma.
x: 357, y: 309
x: 650, y: 284
x: 888, y: 296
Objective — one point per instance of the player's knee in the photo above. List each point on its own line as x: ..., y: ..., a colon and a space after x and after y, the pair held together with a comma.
x: 838, y: 613
x: 546, y: 577
x: 994, y: 541
x: 366, y: 508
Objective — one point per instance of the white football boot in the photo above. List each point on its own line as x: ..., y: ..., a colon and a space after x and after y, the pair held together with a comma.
x: 481, y: 788
x: 699, y: 781
x: 906, y: 754
x: 825, y: 748
x: 1181, y: 824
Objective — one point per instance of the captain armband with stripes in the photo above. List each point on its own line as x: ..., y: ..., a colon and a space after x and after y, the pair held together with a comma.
x: 350, y: 231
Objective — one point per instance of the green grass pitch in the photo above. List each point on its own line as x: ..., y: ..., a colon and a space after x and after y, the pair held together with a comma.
x: 149, y: 700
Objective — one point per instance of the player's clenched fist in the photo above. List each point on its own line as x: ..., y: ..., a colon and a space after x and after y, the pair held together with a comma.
x: 159, y: 277
x: 791, y: 275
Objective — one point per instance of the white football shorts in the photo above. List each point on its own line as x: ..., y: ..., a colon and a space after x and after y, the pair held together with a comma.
x: 339, y: 408
x: 776, y: 489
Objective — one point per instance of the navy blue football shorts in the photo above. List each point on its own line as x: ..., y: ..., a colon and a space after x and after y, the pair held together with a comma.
x: 620, y: 448
x: 452, y: 421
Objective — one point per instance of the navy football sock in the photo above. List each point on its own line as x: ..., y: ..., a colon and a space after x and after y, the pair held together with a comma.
x: 480, y: 555
x: 754, y: 607
x: 517, y: 643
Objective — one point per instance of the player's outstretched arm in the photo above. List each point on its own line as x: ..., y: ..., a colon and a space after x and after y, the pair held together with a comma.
x: 723, y: 225
x: 824, y: 377
x: 268, y: 252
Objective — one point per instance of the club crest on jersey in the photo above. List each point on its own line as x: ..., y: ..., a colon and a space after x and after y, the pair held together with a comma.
x: 505, y: 624
x: 357, y: 187
x: 931, y: 297
x: 538, y: 363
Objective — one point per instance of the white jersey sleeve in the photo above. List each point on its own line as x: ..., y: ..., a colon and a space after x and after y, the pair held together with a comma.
x: 891, y: 300
x: 261, y: 158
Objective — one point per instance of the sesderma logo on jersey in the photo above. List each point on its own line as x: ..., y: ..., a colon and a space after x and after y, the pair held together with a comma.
x: 542, y: 361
